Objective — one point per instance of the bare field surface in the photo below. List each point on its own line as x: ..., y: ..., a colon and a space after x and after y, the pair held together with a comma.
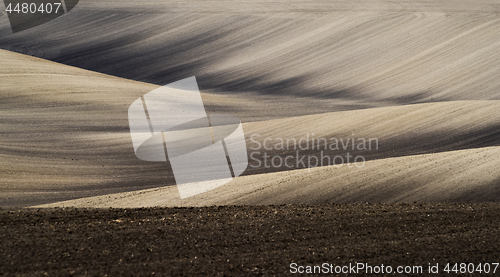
x: 65, y: 133
x: 457, y: 176
x: 421, y: 77
x: 357, y: 53
x: 245, y: 240
x: 417, y: 81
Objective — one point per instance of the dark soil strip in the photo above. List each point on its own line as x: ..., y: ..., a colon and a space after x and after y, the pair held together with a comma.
x: 244, y: 240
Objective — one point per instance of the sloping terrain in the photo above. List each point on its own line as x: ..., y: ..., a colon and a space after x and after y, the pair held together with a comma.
x: 65, y: 132
x: 456, y: 176
x: 420, y: 77
x: 401, y: 98
x: 354, y: 53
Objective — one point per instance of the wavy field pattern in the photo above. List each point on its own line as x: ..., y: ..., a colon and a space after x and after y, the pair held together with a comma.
x: 420, y: 76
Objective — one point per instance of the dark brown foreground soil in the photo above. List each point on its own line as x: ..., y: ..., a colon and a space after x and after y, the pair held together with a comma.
x: 248, y: 240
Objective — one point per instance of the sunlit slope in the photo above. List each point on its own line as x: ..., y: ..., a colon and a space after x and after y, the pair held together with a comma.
x: 408, y: 129
x: 465, y: 175
x: 64, y: 131
x: 58, y: 131
x: 359, y: 53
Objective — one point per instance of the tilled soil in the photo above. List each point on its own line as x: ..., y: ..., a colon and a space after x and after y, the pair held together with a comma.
x: 246, y: 240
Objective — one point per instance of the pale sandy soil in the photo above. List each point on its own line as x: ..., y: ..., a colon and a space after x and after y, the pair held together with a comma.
x: 71, y: 139
x: 461, y: 176
x: 420, y: 76
x: 353, y: 53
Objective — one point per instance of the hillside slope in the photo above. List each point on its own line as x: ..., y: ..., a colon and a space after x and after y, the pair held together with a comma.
x: 456, y: 176
x: 359, y: 53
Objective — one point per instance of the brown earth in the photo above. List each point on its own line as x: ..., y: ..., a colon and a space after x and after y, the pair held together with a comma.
x: 243, y: 241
